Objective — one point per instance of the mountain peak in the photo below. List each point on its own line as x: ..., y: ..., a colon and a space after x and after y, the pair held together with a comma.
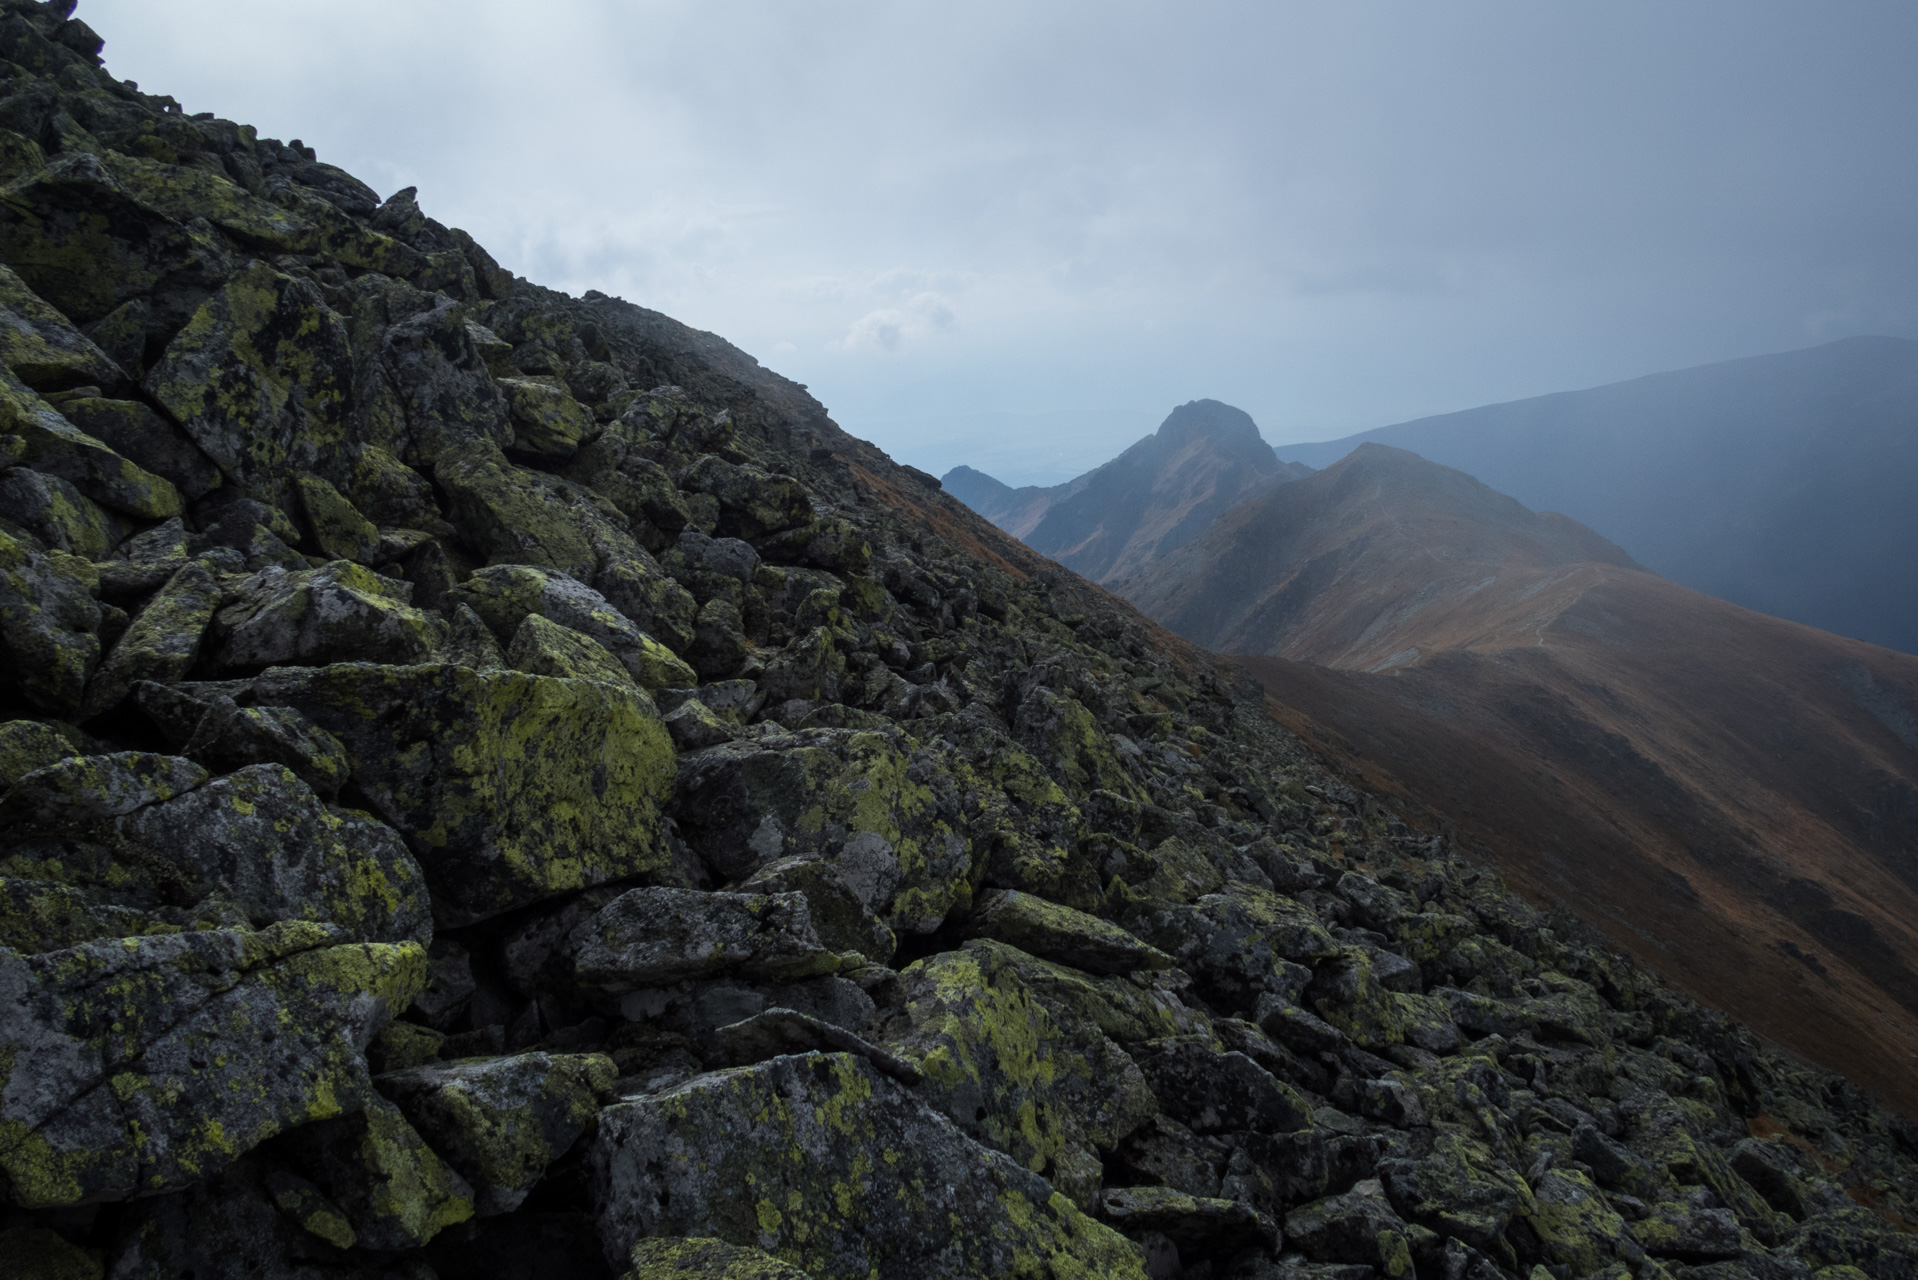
x: 1208, y: 419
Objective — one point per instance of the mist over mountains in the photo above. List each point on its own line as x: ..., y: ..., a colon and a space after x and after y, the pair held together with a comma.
x: 1780, y: 482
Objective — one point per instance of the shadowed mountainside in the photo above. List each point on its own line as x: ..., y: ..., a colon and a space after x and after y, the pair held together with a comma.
x: 1732, y: 797
x: 1781, y: 482
x: 1146, y: 503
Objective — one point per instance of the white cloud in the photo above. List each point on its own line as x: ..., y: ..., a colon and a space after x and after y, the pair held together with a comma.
x: 887, y: 328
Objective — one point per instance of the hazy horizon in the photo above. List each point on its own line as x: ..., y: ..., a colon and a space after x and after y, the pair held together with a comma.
x: 1016, y: 239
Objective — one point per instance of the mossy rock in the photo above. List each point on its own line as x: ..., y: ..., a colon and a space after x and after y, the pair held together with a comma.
x: 140, y: 1065
x: 1050, y: 1092
x: 48, y: 621
x: 261, y: 379
x: 506, y: 595
x: 54, y: 511
x: 163, y: 642
x: 392, y: 1189
x: 679, y: 1259
x: 26, y: 745
x: 548, y: 423
x: 42, y: 347
x: 510, y: 788
x: 338, y: 528
x: 342, y: 612
x: 826, y: 1151
x: 501, y: 1121
x: 547, y: 649
x: 1059, y: 933
x: 658, y: 936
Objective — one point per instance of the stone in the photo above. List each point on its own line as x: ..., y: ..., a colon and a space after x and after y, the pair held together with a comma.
x: 1461, y: 1189
x: 43, y: 348
x: 695, y: 727
x: 504, y: 596
x: 26, y: 745
x: 1688, y: 1233
x: 827, y: 1149
x: 48, y: 621
x: 1061, y: 934
x: 839, y: 915
x: 1199, y: 1225
x: 135, y: 432
x: 1297, y: 1029
x: 1051, y: 1091
x: 774, y: 1032
x: 1575, y: 1225
x: 708, y: 1259
x: 342, y: 612
x: 261, y: 379
x: 654, y: 937
x: 1218, y: 1092
x: 1239, y: 943
x: 548, y: 423
x: 80, y: 789
x: 209, y: 725
x: 500, y: 1122
x: 213, y: 1042
x: 1358, y: 1226
x: 393, y: 1190
x: 546, y: 648
x: 163, y: 641
x: 36, y: 1253
x: 509, y: 788
x: 263, y: 841
x: 338, y: 528
x: 54, y: 511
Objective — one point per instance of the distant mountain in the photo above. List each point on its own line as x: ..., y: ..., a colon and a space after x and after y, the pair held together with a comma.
x: 1783, y: 482
x: 1151, y: 500
x: 1732, y: 797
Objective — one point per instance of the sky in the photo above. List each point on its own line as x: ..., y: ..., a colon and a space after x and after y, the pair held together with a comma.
x: 1015, y: 235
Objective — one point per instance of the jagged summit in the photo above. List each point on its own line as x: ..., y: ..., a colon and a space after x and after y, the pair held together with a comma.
x: 498, y: 785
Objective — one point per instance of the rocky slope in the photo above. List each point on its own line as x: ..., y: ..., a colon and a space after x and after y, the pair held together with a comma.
x: 498, y: 785
x: 1731, y: 797
x: 1781, y: 483
x: 1164, y: 491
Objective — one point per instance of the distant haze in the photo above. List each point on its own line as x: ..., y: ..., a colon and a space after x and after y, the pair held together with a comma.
x: 1012, y: 235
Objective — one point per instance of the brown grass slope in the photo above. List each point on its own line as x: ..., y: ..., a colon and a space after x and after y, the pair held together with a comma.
x: 1733, y: 798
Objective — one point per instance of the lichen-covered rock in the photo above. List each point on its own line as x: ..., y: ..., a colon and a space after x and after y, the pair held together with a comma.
x: 262, y: 841
x: 1059, y: 933
x: 547, y: 422
x: 338, y: 528
x: 1218, y: 1092
x: 1197, y: 1224
x: 26, y: 745
x: 134, y: 431
x: 43, y: 347
x: 1049, y: 1090
x: 207, y: 723
x: 48, y: 626
x: 141, y: 1065
x: 392, y: 1188
x: 827, y: 1151
x: 340, y: 613
x: 510, y: 788
x: 501, y: 1121
x: 1358, y: 1226
x: 53, y: 510
x: 55, y: 447
x: 776, y: 1032
x: 655, y: 937
x: 163, y: 641
x: 505, y: 595
x: 839, y: 915
x: 678, y: 1259
x: 261, y: 378
x: 547, y: 649
x: 1240, y: 943
x: 80, y: 789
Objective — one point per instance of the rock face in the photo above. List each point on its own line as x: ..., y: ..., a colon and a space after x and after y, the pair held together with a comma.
x: 497, y: 784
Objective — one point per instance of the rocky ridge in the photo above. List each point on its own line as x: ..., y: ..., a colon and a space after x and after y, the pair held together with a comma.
x: 499, y: 784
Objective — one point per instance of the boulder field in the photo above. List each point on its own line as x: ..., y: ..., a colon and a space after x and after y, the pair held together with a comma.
x: 497, y: 784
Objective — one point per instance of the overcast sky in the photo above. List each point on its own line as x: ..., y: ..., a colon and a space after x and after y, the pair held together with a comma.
x: 1016, y: 234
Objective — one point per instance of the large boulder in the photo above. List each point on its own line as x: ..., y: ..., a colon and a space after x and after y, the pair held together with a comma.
x: 658, y: 936
x: 1050, y: 1090
x: 48, y: 625
x: 1060, y: 933
x: 163, y: 641
x: 141, y: 1065
x: 501, y: 1121
x: 505, y: 595
x: 510, y: 788
x: 825, y: 1163
x: 340, y: 613
x: 263, y: 842
x: 42, y: 346
x: 53, y: 446
x: 1240, y: 943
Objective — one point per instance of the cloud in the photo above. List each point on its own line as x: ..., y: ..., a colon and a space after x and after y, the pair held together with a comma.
x: 887, y: 328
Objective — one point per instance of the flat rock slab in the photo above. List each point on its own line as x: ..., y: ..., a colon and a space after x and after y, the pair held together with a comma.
x: 1062, y: 934
x: 826, y: 1164
x: 656, y: 936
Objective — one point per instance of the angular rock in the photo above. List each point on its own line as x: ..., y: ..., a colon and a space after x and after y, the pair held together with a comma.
x: 1358, y: 1226
x: 339, y: 530
x: 79, y: 789
x: 146, y: 439
x: 54, y: 510
x: 1239, y: 943
x: 213, y: 1042
x: 263, y: 841
x: 695, y: 727
x: 340, y: 613
x: 1061, y: 934
x: 48, y: 620
x: 839, y: 915
x: 1199, y: 1225
x: 209, y: 725
x: 1461, y: 1189
x: 26, y: 745
x: 1051, y: 1091
x: 827, y: 1149
x: 393, y: 1190
x: 654, y: 937
x: 504, y: 596
x: 42, y: 347
x: 680, y: 1259
x: 501, y: 1121
x: 163, y: 642
x: 547, y: 649
x: 261, y: 379
x: 776, y: 1032
x: 509, y: 788
x: 547, y: 422
x: 1218, y: 1092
